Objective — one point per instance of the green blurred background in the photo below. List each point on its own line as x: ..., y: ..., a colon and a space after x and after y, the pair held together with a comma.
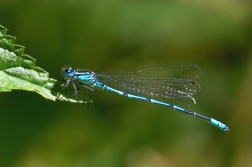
x: 120, y: 132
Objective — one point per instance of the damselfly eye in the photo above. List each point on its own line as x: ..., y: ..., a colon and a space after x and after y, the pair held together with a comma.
x: 67, y: 72
x: 68, y: 69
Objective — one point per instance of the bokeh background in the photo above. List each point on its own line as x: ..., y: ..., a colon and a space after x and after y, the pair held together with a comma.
x: 120, y: 132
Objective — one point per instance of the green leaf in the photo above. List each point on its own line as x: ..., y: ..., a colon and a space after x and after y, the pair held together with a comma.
x: 18, y: 72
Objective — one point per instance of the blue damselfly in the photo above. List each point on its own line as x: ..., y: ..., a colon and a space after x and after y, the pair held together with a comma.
x: 166, y: 85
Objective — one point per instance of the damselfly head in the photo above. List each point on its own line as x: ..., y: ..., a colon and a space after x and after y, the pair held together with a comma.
x: 67, y: 72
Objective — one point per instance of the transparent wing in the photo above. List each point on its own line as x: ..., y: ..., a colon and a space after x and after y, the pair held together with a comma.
x: 173, y: 84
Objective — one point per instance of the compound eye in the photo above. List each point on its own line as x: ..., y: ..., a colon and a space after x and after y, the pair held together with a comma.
x: 68, y: 70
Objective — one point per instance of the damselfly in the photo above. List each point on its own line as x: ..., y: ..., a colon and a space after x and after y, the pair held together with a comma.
x: 166, y: 85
